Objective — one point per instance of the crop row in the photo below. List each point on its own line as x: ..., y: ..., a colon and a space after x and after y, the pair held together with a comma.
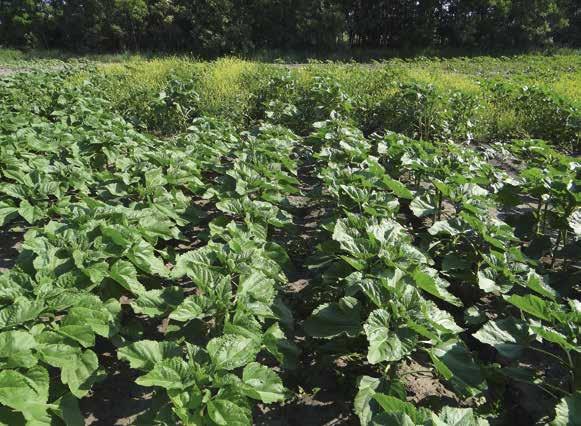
x: 418, y: 260
x: 123, y: 231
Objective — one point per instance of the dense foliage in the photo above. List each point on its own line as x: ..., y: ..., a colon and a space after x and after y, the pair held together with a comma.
x: 226, y: 26
x: 165, y: 237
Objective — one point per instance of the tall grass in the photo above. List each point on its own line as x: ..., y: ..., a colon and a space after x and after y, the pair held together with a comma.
x: 480, y: 99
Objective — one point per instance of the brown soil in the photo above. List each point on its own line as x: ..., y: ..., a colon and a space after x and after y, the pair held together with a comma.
x: 118, y: 400
x: 10, y: 243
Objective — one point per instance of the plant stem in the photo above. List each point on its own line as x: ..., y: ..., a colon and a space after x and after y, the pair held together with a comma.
x: 556, y: 248
x: 571, y: 370
x: 544, y: 352
x: 539, y: 207
x: 543, y: 387
x: 545, y: 216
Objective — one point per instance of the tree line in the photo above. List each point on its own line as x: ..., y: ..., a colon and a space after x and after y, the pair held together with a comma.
x: 212, y: 27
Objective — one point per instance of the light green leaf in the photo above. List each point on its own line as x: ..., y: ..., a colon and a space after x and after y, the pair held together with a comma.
x: 508, y: 336
x: 16, y: 347
x: 568, y: 411
x: 143, y: 355
x: 453, y: 416
x: 193, y: 307
x: 81, y: 333
x: 257, y: 286
x: 385, y: 344
x: 552, y: 335
x: 430, y: 282
x: 82, y: 374
x: 227, y: 413
x: 367, y: 387
x: 7, y: 213
x: 443, y: 227
x: 172, y: 373
x: 96, y: 272
x: 27, y: 211
x: 158, y: 301
x: 575, y: 222
x: 421, y: 208
x: 398, y: 188
x: 262, y: 383
x: 27, y: 393
x: 531, y: 304
x: 231, y: 351
x: 142, y: 254
x: 20, y: 312
x: 125, y: 274
x: 539, y: 284
x: 487, y: 283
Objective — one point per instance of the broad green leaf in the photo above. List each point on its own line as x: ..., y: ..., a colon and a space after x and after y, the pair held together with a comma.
x: 227, y: 413
x: 456, y: 364
x: 531, y: 304
x: 120, y: 235
x: 26, y: 392
x: 487, y: 283
x: 28, y: 212
x: 231, y: 351
x: 193, y: 307
x: 568, y: 411
x: 430, y: 282
x: 257, y: 286
x: 7, y: 213
x: 393, y: 418
x: 367, y: 387
x: 285, y: 351
x: 443, y: 227
x: 398, y: 188
x: 539, y: 284
x: 158, y: 301
x: 81, y: 333
x: 143, y: 355
x: 391, y: 404
x: 57, y: 352
x: 453, y: 416
x: 554, y: 336
x: 196, y: 265
x: 16, y: 349
x: 82, y: 374
x: 421, y: 208
x: 442, y: 320
x: 262, y: 383
x: 574, y: 222
x: 96, y: 272
x: 172, y: 373
x: 333, y: 319
x: 69, y: 411
x: 142, y: 255
x: 385, y: 344
x: 20, y: 312
x: 97, y: 318
x: 508, y: 336
x: 125, y: 274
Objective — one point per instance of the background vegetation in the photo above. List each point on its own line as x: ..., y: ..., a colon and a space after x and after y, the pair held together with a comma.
x: 215, y: 27
x: 463, y: 99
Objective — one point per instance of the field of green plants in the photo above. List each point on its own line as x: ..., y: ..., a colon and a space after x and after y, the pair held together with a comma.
x: 237, y: 243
